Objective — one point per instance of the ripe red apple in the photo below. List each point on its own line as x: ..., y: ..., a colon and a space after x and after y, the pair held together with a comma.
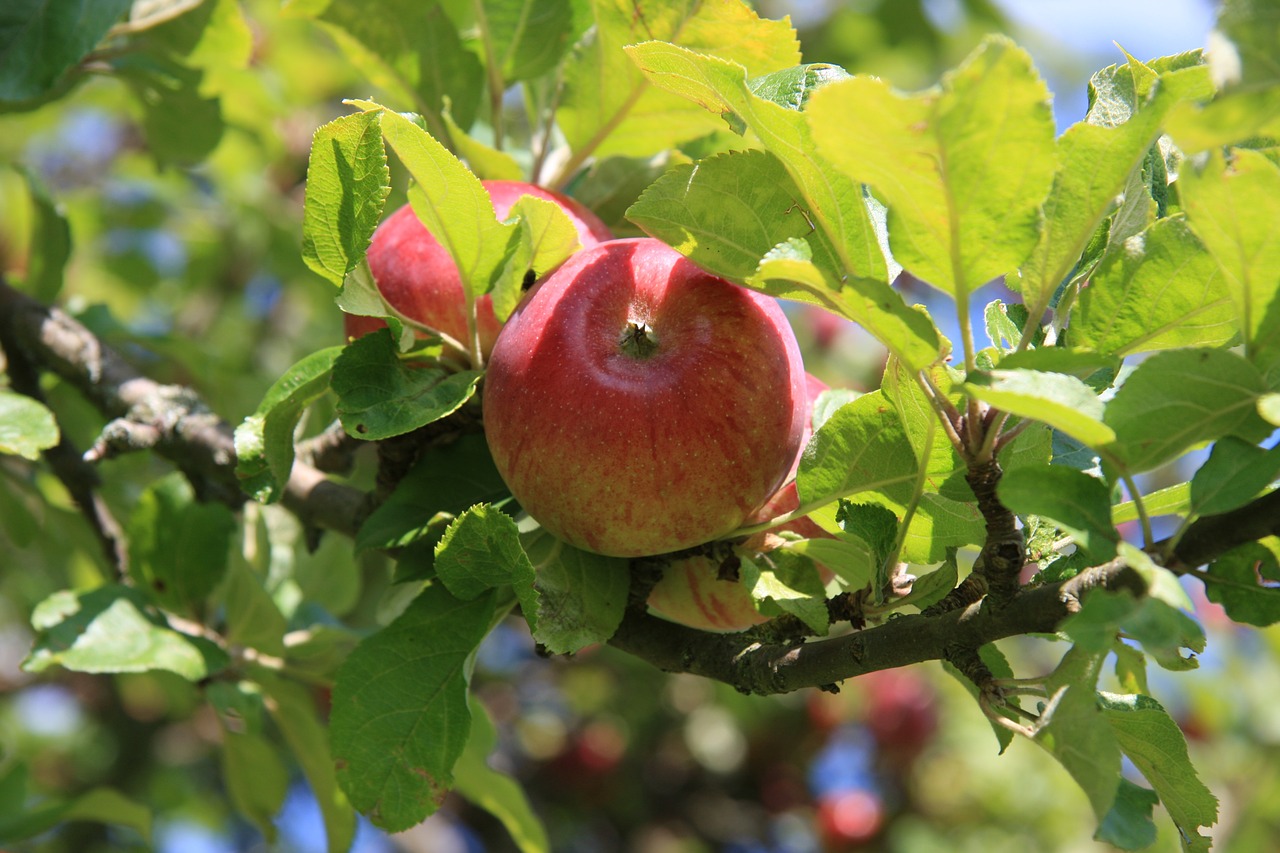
x: 419, y: 278
x: 635, y: 404
x: 692, y: 591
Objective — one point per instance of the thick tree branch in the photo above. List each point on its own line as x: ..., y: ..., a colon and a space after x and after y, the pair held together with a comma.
x: 1213, y: 535
x: 143, y: 413
x: 754, y: 667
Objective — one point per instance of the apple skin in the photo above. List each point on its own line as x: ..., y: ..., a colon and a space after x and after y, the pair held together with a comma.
x: 691, y: 591
x: 419, y: 278
x: 636, y: 404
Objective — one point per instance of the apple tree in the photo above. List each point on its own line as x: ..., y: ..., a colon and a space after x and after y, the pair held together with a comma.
x: 309, y: 535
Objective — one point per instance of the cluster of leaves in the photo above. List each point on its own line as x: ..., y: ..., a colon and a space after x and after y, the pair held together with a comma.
x: 1139, y: 243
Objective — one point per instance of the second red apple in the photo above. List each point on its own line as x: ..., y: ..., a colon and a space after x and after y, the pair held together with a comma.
x: 418, y: 277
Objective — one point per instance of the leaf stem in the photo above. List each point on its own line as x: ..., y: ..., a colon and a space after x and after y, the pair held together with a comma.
x: 908, y: 513
x: 947, y: 413
x: 1143, y: 518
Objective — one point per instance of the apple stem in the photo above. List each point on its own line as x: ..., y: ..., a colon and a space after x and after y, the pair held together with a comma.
x: 638, y: 340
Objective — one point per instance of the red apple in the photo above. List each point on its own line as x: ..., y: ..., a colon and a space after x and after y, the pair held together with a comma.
x: 635, y: 404
x: 419, y: 278
x: 693, y: 593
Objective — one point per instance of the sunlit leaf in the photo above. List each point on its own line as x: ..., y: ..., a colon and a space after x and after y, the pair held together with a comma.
x: 347, y: 183
x: 1231, y: 206
x: 1161, y: 290
x: 609, y: 107
x: 1061, y: 401
x: 963, y: 169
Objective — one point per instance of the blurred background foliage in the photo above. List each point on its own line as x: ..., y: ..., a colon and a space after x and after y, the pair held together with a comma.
x: 184, y: 208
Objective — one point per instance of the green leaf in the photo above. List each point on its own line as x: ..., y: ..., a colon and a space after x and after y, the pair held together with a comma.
x: 1177, y: 399
x: 1231, y: 207
x: 580, y: 596
x: 547, y: 239
x: 252, y: 616
x: 1238, y: 116
x: 1081, y: 363
x: 1152, y: 740
x: 1074, y: 731
x: 1076, y: 502
x: 488, y: 163
x: 1095, y: 159
x: 1063, y: 402
x: 788, y: 583
x: 826, y: 199
x: 293, y: 710
x: 963, y: 170
x: 792, y: 87
x: 739, y: 216
x: 1003, y: 330
x: 1252, y: 29
x: 209, y: 35
x: 527, y: 38
x: 932, y: 587
x: 1246, y: 582
x: 1128, y: 825
x: 497, y: 793
x: 608, y: 106
x: 441, y: 484
x: 1172, y: 500
x: 178, y: 547
x: 50, y: 246
x: 1235, y: 472
x: 1269, y: 408
x: 450, y: 200
x: 1162, y: 629
x: 255, y: 779
x: 480, y: 551
x: 848, y: 556
x: 347, y: 184
x: 411, y: 52
x: 728, y: 211
x: 871, y: 524
x: 264, y: 441
x: 26, y: 426
x: 400, y: 717
x: 1161, y: 290
x: 19, y: 821
x: 41, y: 41
x: 183, y: 124
x: 109, y: 630
x: 379, y: 396
x: 861, y: 448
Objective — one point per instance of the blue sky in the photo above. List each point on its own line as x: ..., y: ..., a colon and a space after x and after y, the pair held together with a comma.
x: 1091, y: 29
